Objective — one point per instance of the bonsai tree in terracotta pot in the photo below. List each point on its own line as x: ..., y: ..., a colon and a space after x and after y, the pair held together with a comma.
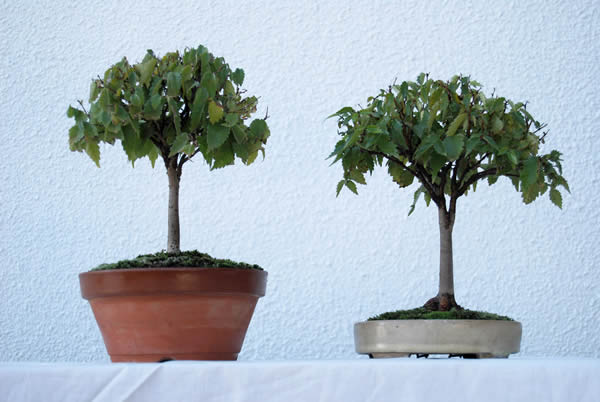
x: 173, y: 108
x: 447, y: 136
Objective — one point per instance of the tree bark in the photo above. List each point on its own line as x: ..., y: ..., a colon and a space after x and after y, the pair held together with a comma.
x: 173, y: 218
x: 444, y: 300
x: 446, y: 262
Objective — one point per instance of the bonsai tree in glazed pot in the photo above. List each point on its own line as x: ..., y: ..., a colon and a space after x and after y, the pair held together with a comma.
x: 173, y: 108
x: 447, y: 136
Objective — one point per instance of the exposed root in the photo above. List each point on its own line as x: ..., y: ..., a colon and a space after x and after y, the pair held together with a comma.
x: 444, y: 302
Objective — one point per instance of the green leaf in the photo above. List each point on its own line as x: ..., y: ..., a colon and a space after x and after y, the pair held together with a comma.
x: 145, y: 70
x: 138, y: 98
x: 153, y: 155
x: 215, y: 112
x: 198, y: 108
x: 228, y: 89
x: 357, y: 177
x: 472, y: 143
x: 174, y: 109
x: 259, y: 129
x: 75, y: 133
x: 105, y: 118
x: 180, y: 142
x: 241, y: 150
x: 491, y: 142
x: 563, y: 182
x: 512, y: 157
x: 438, y: 145
x: 455, y: 124
x: 400, y: 176
x: 436, y: 162
x: 425, y: 145
x: 386, y: 146
x: 497, y: 125
x: 156, y: 101
x: 372, y: 129
x: 340, y: 185
x: 556, y: 198
x: 94, y: 91
x: 396, y: 134
x: 104, y: 99
x: 224, y: 156
x: 151, y: 112
x: 427, y: 198
x: 529, y: 171
x: 351, y: 186
x: 173, y: 83
x: 209, y: 82
x: 130, y: 143
x: 238, y: 76
x: 239, y: 134
x: 231, y: 119
x: 454, y: 146
x: 416, y: 196
x: 217, y: 135
x: 93, y: 150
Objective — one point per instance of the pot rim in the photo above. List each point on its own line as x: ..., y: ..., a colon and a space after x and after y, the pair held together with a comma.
x: 435, y: 320
x: 172, y: 280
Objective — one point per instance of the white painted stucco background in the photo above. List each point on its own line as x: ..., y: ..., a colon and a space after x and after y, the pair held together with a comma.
x: 331, y: 261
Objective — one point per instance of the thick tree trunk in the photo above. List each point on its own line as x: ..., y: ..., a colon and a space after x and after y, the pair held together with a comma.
x: 173, y: 221
x: 444, y: 300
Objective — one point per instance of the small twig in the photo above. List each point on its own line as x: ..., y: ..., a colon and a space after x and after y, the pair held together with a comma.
x: 83, y: 107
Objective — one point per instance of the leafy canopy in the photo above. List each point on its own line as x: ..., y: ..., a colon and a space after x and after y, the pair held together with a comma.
x: 172, y: 106
x: 448, y: 135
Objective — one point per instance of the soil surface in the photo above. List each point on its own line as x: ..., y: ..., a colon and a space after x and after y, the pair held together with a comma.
x: 163, y: 259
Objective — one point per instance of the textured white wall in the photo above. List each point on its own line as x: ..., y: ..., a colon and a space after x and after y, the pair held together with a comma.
x: 331, y: 261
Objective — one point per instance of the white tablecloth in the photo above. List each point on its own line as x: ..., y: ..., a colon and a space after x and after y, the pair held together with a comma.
x: 445, y: 380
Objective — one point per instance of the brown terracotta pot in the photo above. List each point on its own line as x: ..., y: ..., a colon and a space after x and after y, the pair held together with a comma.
x: 156, y: 314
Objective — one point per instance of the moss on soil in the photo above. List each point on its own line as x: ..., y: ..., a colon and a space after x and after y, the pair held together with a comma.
x: 422, y: 313
x: 163, y: 259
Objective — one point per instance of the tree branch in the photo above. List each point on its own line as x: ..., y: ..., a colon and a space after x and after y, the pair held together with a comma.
x: 186, y: 158
x: 402, y: 118
x: 83, y: 107
x: 473, y: 179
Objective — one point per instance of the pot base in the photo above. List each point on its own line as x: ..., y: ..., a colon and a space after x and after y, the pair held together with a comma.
x: 475, y: 339
x: 464, y: 356
x: 162, y: 358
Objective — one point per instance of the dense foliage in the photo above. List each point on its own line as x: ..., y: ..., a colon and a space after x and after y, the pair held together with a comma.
x: 422, y: 313
x: 175, y: 107
x: 448, y: 135
x: 183, y: 259
x: 172, y: 106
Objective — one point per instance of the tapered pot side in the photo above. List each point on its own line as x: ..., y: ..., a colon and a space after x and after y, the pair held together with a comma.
x: 481, y: 338
x: 157, y: 314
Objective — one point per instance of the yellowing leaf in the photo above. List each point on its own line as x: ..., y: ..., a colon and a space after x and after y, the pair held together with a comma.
x: 215, y: 112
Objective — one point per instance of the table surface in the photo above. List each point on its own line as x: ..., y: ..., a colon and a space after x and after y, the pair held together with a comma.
x: 361, y: 380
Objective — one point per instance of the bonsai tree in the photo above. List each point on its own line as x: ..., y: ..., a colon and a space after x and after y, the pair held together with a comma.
x: 172, y: 107
x: 448, y: 136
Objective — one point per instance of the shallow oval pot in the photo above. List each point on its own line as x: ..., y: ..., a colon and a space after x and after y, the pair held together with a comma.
x: 469, y: 338
x: 158, y: 314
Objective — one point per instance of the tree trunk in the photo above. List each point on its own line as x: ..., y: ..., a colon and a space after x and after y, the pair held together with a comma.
x: 173, y: 221
x: 444, y: 300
